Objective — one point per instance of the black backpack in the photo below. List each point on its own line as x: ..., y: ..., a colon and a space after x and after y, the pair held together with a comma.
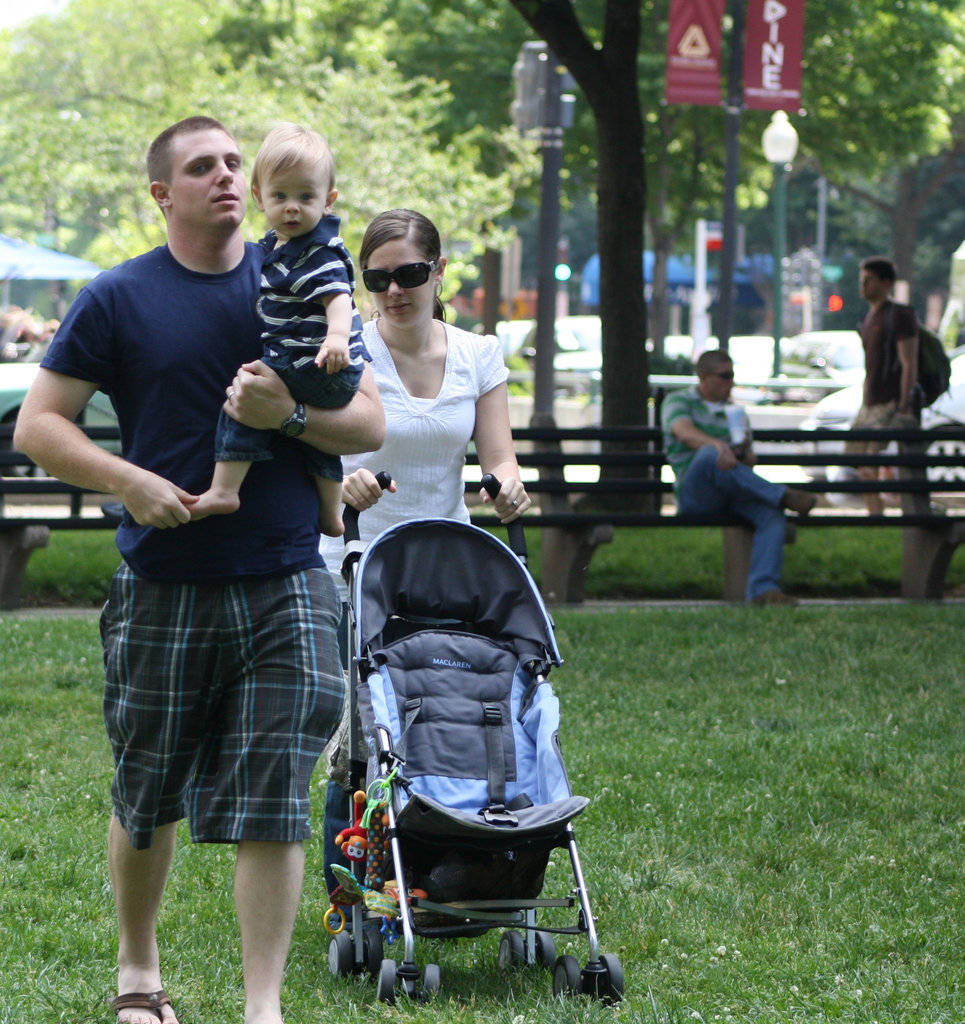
x: 934, y: 367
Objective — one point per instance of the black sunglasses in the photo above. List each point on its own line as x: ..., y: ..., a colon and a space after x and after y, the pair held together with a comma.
x: 723, y: 374
x: 412, y: 275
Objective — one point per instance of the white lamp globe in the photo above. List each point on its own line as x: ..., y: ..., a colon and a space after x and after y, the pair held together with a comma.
x: 779, y: 140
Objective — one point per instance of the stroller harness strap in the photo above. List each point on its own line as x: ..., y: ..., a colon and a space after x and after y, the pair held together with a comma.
x: 413, y: 706
x: 496, y: 813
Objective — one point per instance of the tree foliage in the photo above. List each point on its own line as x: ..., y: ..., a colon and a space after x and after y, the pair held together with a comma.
x: 887, y: 78
x: 415, y: 96
x: 81, y: 107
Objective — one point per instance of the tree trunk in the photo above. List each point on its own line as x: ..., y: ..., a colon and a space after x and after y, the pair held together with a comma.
x: 623, y: 309
x: 905, y: 220
x: 608, y: 79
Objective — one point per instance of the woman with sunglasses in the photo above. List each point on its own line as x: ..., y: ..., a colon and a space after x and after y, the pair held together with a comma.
x: 441, y: 387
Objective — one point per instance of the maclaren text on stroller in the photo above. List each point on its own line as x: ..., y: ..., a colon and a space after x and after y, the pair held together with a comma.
x: 451, y: 649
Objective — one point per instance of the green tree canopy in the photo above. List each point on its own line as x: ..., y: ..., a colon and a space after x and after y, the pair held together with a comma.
x: 81, y: 107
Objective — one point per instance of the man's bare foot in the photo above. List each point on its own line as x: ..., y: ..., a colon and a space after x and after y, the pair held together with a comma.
x: 214, y: 503
x: 265, y: 1018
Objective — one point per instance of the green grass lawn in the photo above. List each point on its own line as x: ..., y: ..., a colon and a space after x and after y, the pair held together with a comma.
x: 775, y: 832
x: 653, y: 563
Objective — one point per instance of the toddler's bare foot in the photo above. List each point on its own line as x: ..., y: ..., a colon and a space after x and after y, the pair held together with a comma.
x: 215, y: 503
x: 330, y: 523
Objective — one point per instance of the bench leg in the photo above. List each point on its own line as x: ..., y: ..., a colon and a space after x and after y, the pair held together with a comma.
x: 566, y: 555
x: 925, y: 555
x: 737, y: 561
x: 16, y: 547
x: 738, y: 541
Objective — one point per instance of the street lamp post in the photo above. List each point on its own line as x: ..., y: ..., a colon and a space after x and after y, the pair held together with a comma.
x: 779, y: 143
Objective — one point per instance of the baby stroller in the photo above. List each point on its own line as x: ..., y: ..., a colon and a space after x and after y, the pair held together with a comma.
x: 451, y: 649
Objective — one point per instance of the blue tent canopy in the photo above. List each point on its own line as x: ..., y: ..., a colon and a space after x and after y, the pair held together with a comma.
x: 680, y: 281
x: 22, y: 261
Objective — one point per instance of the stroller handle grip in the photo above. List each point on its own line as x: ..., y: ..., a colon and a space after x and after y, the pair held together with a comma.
x: 350, y: 514
x: 517, y: 536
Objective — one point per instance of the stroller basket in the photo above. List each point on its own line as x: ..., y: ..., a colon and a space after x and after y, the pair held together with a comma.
x: 452, y: 856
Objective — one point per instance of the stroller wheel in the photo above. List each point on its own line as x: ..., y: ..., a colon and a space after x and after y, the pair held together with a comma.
x: 614, y: 978
x: 567, y: 978
x: 512, y: 951
x: 373, y: 950
x: 603, y: 979
x: 340, y: 953
x: 545, y: 950
x: 385, y: 991
x: 431, y: 982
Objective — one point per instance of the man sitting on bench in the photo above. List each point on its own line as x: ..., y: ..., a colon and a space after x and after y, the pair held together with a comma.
x: 713, y: 474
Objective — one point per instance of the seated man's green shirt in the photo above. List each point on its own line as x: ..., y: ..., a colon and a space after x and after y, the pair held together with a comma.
x: 710, y: 417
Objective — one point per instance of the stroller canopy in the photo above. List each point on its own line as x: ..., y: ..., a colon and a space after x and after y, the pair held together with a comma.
x: 440, y: 570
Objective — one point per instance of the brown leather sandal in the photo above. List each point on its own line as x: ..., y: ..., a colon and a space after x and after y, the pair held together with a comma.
x: 150, y: 1001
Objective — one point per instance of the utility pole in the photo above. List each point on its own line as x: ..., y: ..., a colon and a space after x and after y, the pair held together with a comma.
x: 541, y: 104
x: 544, y: 383
x: 735, y: 103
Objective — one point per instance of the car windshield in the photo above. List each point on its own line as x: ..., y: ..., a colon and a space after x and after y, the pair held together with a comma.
x: 847, y: 357
x: 579, y: 334
x: 567, y: 341
x: 15, y: 352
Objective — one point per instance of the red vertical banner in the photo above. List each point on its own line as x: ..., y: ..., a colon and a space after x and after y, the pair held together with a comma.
x: 773, y: 45
x: 693, y: 52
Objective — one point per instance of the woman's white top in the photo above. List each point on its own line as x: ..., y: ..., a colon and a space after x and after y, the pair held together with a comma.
x: 425, y: 438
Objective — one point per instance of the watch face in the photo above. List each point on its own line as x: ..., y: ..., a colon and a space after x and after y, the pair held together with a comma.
x: 295, y: 424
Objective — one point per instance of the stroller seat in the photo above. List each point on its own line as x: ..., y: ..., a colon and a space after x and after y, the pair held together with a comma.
x: 483, y: 774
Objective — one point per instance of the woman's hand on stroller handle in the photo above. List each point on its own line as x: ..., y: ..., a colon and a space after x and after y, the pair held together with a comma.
x: 508, y: 497
x: 517, y: 537
x: 361, y: 490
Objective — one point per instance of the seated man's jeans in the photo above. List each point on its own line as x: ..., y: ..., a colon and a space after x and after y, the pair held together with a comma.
x: 708, y: 490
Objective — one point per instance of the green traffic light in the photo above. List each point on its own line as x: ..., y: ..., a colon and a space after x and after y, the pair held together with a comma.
x: 563, y: 272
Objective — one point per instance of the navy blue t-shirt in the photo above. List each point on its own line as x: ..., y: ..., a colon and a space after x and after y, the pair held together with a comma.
x: 163, y: 342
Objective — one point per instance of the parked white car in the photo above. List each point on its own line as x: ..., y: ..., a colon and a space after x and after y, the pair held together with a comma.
x: 838, y: 410
x: 578, y: 360
x: 15, y: 381
x: 512, y: 334
x: 837, y: 355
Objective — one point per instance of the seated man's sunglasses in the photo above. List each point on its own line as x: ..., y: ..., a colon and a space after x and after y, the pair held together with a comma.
x: 412, y: 275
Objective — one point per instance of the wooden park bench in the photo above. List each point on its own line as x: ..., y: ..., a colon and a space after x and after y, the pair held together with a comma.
x: 586, y: 482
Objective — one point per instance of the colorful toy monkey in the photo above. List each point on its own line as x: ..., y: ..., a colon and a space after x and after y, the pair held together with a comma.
x: 353, y: 841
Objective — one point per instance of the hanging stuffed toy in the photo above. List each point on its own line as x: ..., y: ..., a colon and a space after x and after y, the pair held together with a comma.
x: 353, y: 841
x: 376, y: 819
x: 365, y: 839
